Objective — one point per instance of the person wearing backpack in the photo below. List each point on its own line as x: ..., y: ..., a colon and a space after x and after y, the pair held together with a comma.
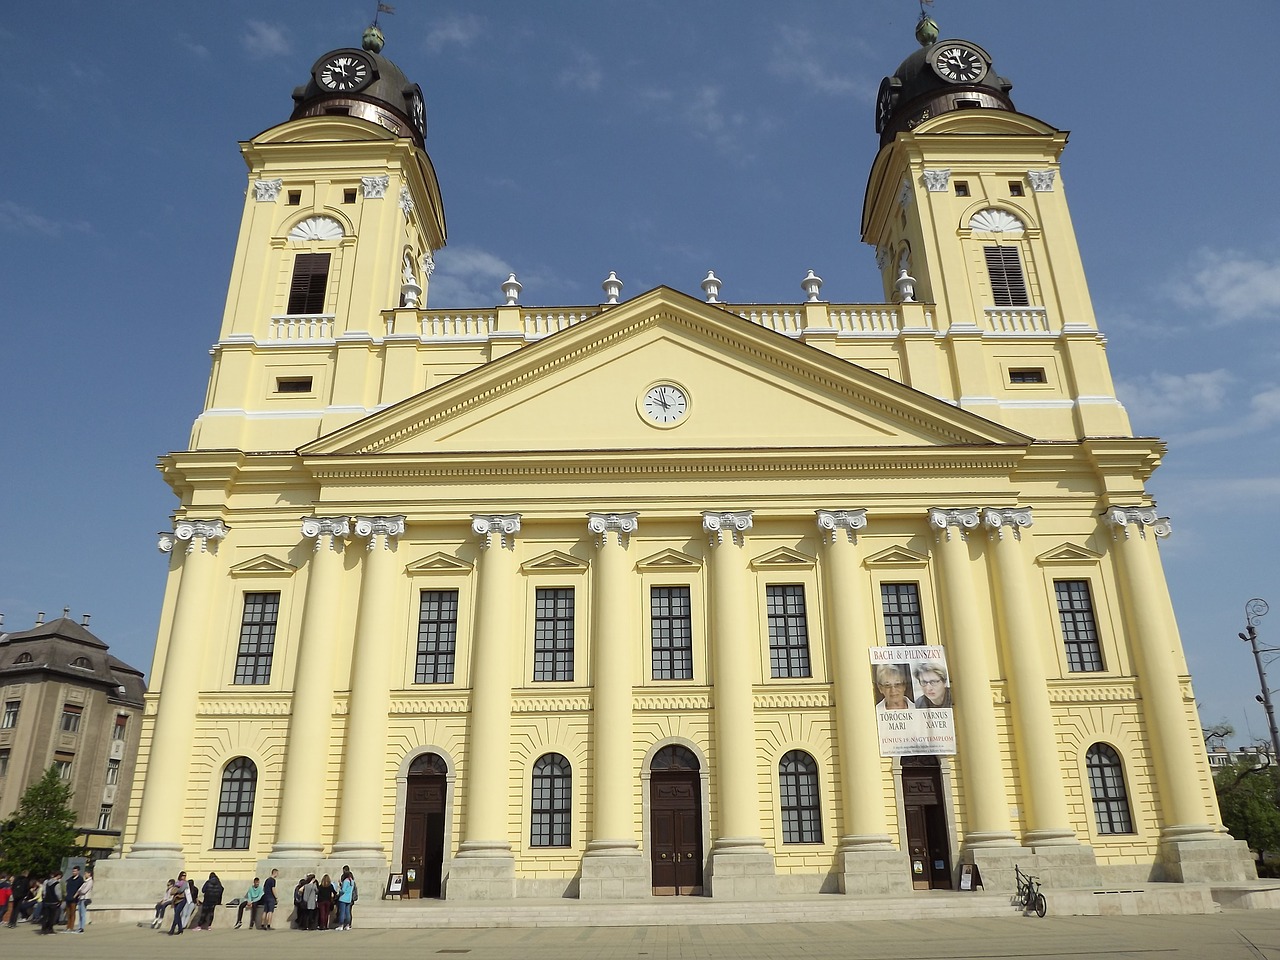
x: 212, y: 899
x: 346, y: 893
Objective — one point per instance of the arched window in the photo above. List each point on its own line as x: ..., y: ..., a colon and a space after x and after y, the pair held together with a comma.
x: 801, y: 811
x: 552, y: 802
x: 82, y: 663
x: 428, y: 765
x: 1106, y: 785
x: 23, y: 658
x: 674, y: 757
x: 235, y: 805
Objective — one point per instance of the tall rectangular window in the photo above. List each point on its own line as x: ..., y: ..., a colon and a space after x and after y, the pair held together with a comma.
x: 70, y: 718
x: 257, y: 638
x: 10, y: 714
x: 113, y: 772
x: 1008, y: 286
x: 4, y: 761
x: 104, y: 817
x: 900, y: 603
x: 1079, y: 631
x: 310, y: 278
x: 437, y: 636
x: 62, y: 762
x: 788, y: 630
x: 553, y: 634
x: 121, y: 725
x: 671, y: 622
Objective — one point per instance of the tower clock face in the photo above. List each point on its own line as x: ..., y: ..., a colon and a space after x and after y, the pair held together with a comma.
x: 884, y: 105
x: 959, y: 63
x: 344, y: 72
x: 665, y: 404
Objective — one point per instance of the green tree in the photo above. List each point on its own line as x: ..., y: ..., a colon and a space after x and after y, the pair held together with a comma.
x: 1247, y: 796
x: 42, y: 832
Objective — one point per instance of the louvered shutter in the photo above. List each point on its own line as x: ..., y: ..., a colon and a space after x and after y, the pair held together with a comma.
x: 310, y: 276
x: 1008, y: 286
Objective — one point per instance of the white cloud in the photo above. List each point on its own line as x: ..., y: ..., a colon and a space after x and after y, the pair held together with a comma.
x: 19, y: 219
x: 1230, y: 286
x: 459, y: 31
x: 264, y: 40
x: 704, y: 114
x: 583, y: 73
x: 1164, y: 399
x: 467, y: 277
x: 194, y: 47
x: 796, y: 57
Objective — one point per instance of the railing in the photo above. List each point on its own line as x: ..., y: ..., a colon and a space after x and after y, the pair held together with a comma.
x: 543, y: 323
x: 457, y: 326
x: 311, y: 326
x: 1017, y: 319
x: 863, y: 320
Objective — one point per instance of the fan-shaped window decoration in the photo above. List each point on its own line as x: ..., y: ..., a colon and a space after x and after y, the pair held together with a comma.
x: 235, y: 805
x: 674, y: 757
x: 23, y: 658
x: 428, y: 765
x: 552, y: 802
x: 317, y: 228
x: 82, y: 663
x: 1106, y: 784
x: 992, y: 220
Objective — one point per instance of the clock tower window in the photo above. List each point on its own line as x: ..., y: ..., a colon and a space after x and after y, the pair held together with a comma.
x: 307, y: 288
x: 1008, y: 285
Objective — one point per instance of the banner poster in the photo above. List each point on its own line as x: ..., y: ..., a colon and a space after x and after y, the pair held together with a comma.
x: 913, y: 701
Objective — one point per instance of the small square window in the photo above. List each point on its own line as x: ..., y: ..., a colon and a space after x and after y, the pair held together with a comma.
x: 349, y: 196
x: 962, y: 188
x: 1028, y: 375
x: 293, y: 384
x: 1015, y: 188
x: 295, y: 198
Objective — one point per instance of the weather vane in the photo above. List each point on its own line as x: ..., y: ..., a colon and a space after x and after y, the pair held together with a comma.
x: 388, y: 8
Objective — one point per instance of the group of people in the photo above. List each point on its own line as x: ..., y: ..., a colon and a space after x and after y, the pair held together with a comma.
x: 47, y: 899
x: 314, y: 902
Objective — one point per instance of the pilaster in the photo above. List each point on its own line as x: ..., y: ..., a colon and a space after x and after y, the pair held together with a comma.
x: 485, y: 868
x: 740, y: 865
x: 868, y: 863
x: 613, y: 868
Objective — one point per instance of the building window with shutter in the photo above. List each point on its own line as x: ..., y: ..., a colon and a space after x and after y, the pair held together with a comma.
x: 788, y: 631
x: 437, y: 636
x: 121, y: 725
x: 70, y: 718
x: 307, y: 288
x: 113, y: 772
x: 1008, y: 285
x: 62, y: 763
x: 671, y: 626
x: 257, y: 638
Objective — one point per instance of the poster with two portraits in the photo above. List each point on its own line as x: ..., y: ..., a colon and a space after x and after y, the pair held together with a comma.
x: 913, y: 701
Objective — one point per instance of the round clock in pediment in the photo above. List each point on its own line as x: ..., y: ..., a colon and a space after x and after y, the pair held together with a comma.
x: 664, y: 404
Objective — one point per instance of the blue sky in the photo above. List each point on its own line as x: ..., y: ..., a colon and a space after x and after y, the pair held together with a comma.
x: 656, y: 138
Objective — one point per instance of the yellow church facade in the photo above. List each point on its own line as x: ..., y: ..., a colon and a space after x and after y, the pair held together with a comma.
x: 666, y: 595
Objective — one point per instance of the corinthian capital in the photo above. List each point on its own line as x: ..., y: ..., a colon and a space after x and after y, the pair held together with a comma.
x: 999, y: 519
x: 622, y: 524
x: 964, y: 519
x: 207, y: 532
x: 500, y: 528
x: 335, y: 528
x: 1119, y: 519
x: 374, y: 527
x: 733, y: 522
x: 832, y: 522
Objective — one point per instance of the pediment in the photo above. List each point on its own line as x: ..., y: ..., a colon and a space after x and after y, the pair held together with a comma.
x: 669, y: 560
x: 748, y: 387
x: 1069, y: 553
x: 896, y: 557
x: 438, y: 563
x: 264, y: 565
x: 553, y: 561
x: 783, y: 558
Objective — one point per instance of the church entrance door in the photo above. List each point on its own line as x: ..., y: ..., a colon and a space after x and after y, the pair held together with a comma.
x: 675, y: 827
x: 423, y: 845
x: 927, y: 840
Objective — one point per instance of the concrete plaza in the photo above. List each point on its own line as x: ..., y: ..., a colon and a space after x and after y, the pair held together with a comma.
x: 1231, y: 935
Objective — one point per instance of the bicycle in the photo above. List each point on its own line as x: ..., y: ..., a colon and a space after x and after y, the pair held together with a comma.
x: 1029, y: 897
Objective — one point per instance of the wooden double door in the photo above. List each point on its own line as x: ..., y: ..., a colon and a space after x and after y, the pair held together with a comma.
x: 423, y: 847
x: 928, y: 842
x: 675, y: 832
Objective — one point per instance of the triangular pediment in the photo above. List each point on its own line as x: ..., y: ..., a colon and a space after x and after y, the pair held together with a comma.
x: 1069, y: 553
x: 581, y: 389
x: 263, y: 566
x: 438, y: 563
x: 553, y: 561
x: 896, y: 557
x: 669, y: 560
x: 783, y: 558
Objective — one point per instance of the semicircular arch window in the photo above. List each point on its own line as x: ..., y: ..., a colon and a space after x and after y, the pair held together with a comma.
x: 674, y: 757
x: 427, y: 765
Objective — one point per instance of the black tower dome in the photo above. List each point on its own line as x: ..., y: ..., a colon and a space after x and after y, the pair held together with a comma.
x: 363, y: 83
x: 942, y: 76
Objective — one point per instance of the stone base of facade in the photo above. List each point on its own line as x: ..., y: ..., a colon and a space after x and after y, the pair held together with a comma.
x: 740, y: 868
x: 1212, y: 858
x: 869, y: 866
x: 1061, y: 866
x: 134, y: 880
x: 995, y: 859
x: 481, y: 871
x: 614, y: 871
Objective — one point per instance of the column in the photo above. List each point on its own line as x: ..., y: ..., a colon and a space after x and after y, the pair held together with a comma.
x: 1193, y: 849
x: 613, y: 868
x: 300, y: 825
x: 869, y: 864
x: 1025, y: 636
x: 164, y: 800
x: 484, y: 868
x: 977, y: 735
x: 741, y: 866
x: 362, y: 797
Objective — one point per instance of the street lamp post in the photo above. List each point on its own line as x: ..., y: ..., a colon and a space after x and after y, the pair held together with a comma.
x: 1254, y: 611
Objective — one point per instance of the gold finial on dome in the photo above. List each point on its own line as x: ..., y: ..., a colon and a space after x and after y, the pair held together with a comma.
x: 373, y: 39
x: 926, y: 29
